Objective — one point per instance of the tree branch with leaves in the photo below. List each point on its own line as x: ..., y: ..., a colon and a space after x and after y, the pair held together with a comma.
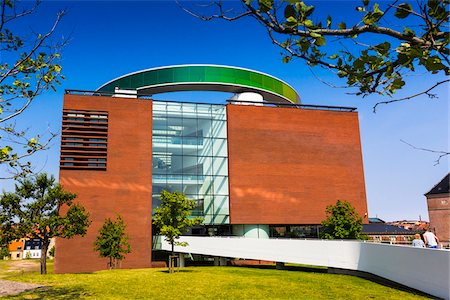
x: 29, y: 67
x: 354, y: 51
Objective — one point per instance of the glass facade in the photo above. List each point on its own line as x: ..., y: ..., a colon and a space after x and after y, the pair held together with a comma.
x: 190, y: 155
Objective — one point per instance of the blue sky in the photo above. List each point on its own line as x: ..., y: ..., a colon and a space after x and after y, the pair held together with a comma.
x: 108, y: 39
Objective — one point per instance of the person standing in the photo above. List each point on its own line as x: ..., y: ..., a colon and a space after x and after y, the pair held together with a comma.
x: 431, y: 240
x: 417, y: 242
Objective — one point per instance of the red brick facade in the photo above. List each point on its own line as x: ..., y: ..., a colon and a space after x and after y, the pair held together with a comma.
x: 125, y: 187
x: 287, y: 164
x: 439, y: 213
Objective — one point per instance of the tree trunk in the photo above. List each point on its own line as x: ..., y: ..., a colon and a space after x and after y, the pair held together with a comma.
x: 45, y: 244
x: 171, y: 259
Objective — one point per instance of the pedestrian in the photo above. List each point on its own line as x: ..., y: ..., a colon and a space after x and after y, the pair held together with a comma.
x: 417, y: 242
x: 431, y: 240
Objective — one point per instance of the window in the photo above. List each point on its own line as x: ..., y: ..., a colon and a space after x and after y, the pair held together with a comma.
x: 294, y: 231
x: 83, y: 142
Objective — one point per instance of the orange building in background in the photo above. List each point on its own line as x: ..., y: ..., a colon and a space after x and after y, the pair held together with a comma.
x: 16, y: 249
x: 261, y: 165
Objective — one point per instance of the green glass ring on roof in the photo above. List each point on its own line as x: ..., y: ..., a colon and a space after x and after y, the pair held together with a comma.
x: 204, y: 78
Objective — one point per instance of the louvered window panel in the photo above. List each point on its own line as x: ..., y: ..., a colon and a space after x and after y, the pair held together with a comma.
x: 84, y: 140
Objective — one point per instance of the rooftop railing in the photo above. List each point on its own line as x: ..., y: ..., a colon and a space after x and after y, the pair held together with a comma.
x: 265, y: 104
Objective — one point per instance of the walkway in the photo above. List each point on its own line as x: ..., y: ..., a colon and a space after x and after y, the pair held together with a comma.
x: 427, y: 270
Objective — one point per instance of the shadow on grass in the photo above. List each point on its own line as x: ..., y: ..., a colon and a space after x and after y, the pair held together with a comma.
x: 178, y: 271
x: 288, y: 268
x: 52, y: 293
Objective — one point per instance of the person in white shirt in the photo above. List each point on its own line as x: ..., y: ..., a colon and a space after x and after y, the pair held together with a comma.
x: 431, y: 240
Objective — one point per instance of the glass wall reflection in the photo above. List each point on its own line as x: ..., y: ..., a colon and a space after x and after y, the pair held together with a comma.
x: 189, y: 143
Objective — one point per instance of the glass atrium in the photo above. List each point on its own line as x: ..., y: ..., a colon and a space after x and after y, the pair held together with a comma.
x: 190, y: 156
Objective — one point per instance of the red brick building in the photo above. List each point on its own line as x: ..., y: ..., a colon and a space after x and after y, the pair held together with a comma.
x: 438, y: 199
x: 259, y: 165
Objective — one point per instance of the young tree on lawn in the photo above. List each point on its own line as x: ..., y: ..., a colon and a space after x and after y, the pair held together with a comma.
x: 40, y: 208
x: 29, y: 67
x: 342, y: 222
x: 112, y: 241
x: 172, y: 218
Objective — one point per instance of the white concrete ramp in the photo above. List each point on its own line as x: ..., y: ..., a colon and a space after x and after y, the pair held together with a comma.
x: 427, y: 270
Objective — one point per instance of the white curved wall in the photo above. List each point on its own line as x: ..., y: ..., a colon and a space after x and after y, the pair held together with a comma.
x: 426, y: 270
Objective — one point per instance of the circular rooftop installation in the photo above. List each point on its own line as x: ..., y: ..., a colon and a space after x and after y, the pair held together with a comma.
x: 204, y: 78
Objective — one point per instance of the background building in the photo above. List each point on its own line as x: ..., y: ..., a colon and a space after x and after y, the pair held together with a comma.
x: 415, y: 225
x: 16, y: 249
x: 438, y: 199
x: 26, y: 248
x: 261, y: 165
x: 378, y: 231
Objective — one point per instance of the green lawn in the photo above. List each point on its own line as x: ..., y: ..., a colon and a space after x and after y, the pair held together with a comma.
x: 3, y: 267
x: 203, y: 283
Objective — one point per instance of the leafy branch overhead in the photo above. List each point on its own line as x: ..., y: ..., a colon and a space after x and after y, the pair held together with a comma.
x: 371, y: 53
x: 29, y: 67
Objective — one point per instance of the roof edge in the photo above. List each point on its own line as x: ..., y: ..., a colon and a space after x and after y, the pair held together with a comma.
x: 440, y: 181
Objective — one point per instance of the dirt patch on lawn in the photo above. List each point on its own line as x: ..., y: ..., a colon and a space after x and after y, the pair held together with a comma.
x: 20, y: 266
x: 13, y: 288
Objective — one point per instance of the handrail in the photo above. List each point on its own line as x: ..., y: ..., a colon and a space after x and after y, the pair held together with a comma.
x: 265, y: 103
x: 304, y: 106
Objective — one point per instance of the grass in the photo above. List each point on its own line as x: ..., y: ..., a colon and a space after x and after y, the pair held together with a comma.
x: 3, y: 267
x: 202, y: 283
